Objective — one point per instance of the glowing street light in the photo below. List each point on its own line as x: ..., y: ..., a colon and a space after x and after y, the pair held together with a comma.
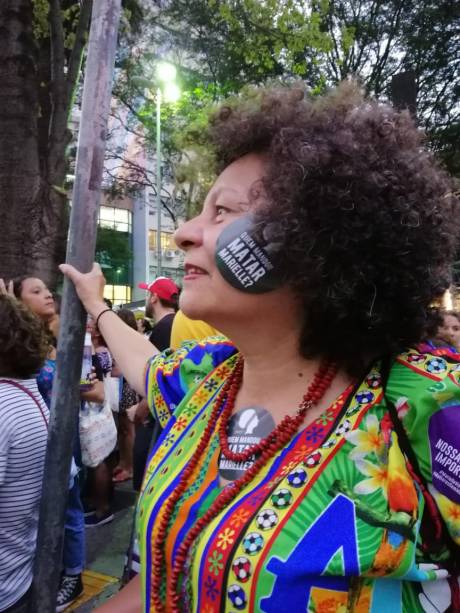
x: 166, y: 72
x: 171, y: 92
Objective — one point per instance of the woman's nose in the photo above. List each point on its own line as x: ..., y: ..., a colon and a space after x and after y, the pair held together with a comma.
x: 189, y: 234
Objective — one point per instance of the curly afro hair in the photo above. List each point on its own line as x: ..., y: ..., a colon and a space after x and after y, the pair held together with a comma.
x: 23, y: 340
x: 366, y: 220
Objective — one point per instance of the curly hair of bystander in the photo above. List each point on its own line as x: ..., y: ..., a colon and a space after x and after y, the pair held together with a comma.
x: 23, y: 340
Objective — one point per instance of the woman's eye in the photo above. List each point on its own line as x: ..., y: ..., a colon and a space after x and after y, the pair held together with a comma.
x: 221, y: 210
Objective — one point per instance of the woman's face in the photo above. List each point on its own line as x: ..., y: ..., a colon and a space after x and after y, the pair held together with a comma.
x: 206, y: 295
x: 450, y: 330
x: 36, y: 296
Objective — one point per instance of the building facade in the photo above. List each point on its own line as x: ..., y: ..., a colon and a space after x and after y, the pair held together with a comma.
x: 135, y: 218
x: 130, y: 223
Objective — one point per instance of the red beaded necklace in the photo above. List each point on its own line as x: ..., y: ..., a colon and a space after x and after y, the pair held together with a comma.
x: 265, y: 450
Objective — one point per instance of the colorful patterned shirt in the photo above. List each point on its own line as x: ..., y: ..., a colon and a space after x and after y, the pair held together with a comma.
x: 332, y: 522
x: 45, y: 380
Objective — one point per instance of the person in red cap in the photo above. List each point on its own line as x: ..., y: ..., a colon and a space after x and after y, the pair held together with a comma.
x: 161, y: 305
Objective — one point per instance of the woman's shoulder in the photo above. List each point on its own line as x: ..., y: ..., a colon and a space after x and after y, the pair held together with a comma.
x: 192, y: 360
x: 424, y: 386
x: 205, y: 355
x: 170, y: 375
x: 424, y: 363
x: 422, y: 379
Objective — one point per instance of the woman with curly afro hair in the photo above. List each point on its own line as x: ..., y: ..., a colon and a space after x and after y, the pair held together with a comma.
x: 313, y: 463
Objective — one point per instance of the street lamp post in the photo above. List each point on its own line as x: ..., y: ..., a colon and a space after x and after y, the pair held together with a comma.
x: 158, y: 203
x: 166, y: 73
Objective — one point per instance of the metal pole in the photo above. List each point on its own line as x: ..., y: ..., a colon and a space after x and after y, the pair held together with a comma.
x: 65, y: 402
x: 158, y: 182
x: 147, y: 227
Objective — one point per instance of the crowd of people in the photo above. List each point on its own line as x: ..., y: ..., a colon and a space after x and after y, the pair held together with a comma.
x: 313, y: 460
x: 30, y: 329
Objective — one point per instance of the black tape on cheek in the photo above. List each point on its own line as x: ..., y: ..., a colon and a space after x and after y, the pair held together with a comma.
x: 243, y: 261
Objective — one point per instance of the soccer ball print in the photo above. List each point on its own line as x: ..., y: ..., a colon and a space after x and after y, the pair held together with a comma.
x: 313, y: 459
x: 330, y: 443
x: 415, y: 358
x: 297, y: 477
x: 237, y: 597
x: 373, y: 380
x: 365, y: 397
x: 281, y: 498
x: 343, y: 428
x: 267, y: 519
x: 253, y: 543
x: 436, y: 365
x: 242, y: 569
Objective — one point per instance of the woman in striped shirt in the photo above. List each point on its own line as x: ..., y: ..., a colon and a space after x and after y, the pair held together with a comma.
x: 23, y: 433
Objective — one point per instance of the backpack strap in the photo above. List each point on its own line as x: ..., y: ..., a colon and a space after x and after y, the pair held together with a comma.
x: 29, y: 393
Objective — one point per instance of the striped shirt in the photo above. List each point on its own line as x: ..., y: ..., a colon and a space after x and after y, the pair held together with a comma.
x: 23, y: 436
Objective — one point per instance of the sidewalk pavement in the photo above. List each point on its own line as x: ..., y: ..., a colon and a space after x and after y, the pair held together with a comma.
x: 106, y: 548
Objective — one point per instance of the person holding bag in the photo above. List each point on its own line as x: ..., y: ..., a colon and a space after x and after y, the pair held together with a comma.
x: 98, y: 437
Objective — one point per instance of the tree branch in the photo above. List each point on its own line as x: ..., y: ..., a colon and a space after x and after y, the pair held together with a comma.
x: 77, y: 50
x: 57, y: 43
x: 59, y: 136
x: 434, y: 104
x: 379, y: 66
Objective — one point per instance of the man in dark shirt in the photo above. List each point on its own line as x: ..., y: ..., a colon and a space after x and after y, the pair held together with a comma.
x: 161, y: 305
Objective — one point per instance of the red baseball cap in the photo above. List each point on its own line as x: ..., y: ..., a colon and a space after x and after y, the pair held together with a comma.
x: 162, y: 286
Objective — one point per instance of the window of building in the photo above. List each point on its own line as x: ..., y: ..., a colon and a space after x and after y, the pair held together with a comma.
x: 118, y: 294
x: 167, y: 241
x: 115, y: 218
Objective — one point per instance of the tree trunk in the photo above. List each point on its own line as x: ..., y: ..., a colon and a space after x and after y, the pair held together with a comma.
x: 48, y: 236
x: 33, y: 213
x: 20, y: 183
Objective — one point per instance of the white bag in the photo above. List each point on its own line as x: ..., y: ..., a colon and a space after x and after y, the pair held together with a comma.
x: 112, y: 392
x: 98, y: 433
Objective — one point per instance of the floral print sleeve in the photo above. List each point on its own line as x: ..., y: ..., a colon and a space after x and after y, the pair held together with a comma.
x: 45, y: 380
x: 172, y: 375
x: 425, y: 389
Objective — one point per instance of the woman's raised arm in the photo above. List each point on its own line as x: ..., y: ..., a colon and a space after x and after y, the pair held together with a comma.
x: 130, y: 349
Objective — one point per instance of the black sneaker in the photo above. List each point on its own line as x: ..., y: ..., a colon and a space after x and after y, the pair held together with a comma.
x: 93, y: 521
x: 70, y: 588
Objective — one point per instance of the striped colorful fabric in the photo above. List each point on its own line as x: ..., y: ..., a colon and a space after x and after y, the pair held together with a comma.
x: 332, y: 523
